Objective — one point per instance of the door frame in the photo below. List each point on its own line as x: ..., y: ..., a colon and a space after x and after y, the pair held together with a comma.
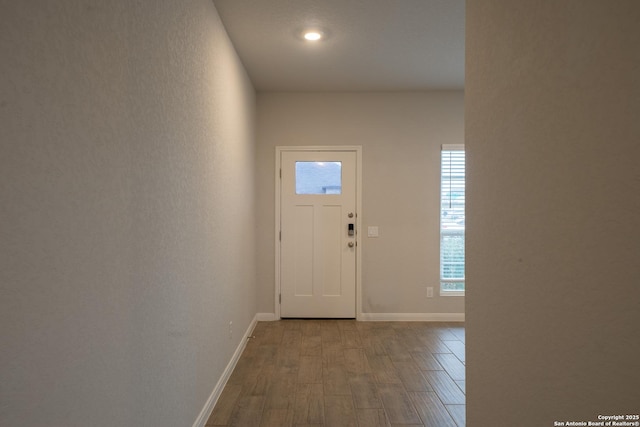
x: 353, y: 148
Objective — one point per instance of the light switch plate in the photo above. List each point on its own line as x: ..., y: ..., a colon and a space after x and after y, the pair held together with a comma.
x: 372, y: 231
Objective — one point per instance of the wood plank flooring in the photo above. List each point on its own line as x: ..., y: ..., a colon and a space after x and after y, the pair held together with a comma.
x: 335, y: 373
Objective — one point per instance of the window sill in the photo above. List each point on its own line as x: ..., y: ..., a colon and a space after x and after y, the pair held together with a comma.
x: 451, y: 293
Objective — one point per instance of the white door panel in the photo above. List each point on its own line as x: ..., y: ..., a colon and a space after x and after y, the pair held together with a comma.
x: 318, y: 256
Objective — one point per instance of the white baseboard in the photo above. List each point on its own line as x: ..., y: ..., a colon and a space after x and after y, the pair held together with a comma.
x: 411, y: 317
x: 266, y: 317
x: 217, y: 391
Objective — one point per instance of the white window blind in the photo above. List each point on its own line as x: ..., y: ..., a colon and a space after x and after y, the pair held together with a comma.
x: 452, y: 220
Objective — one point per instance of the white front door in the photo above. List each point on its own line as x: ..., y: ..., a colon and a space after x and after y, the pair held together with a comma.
x: 318, y: 234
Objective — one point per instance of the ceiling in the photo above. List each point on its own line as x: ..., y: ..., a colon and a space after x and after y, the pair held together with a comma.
x: 370, y: 45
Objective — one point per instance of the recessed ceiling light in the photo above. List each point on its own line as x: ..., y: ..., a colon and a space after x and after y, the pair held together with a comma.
x: 312, y: 36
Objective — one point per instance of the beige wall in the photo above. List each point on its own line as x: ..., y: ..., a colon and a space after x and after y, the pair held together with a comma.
x: 400, y: 135
x: 126, y: 214
x: 553, y: 221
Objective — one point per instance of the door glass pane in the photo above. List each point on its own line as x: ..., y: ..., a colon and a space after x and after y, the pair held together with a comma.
x: 318, y: 177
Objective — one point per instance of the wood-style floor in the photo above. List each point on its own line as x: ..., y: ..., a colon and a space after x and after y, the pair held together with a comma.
x: 345, y: 373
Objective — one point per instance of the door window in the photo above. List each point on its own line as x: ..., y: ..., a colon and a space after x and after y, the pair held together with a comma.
x: 318, y: 177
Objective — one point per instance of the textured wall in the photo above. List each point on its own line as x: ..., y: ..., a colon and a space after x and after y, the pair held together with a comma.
x: 401, y: 134
x: 127, y: 211
x: 553, y: 224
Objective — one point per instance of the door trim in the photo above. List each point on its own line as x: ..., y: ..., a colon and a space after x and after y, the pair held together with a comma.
x: 353, y: 148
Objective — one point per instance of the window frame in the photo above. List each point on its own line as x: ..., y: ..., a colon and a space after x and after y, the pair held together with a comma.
x: 444, y: 181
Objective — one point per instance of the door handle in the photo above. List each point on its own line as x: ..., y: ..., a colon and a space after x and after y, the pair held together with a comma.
x: 351, y: 244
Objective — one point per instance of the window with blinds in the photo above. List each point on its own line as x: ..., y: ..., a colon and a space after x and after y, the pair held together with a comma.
x: 452, y: 215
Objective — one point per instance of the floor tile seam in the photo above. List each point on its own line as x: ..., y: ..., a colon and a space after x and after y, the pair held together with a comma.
x: 407, y: 394
x: 432, y: 356
x: 416, y: 408
x: 447, y: 371
x: 446, y: 407
x: 353, y: 405
x: 440, y: 397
